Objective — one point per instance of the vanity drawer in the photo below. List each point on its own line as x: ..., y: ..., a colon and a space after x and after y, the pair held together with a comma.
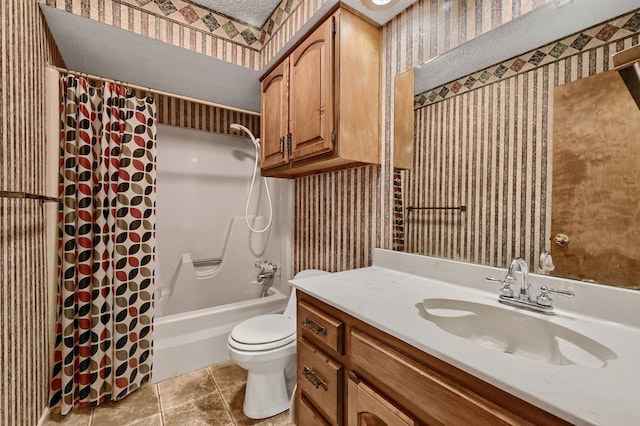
x: 321, y: 380
x: 434, y: 398
x: 317, y: 325
x: 307, y: 415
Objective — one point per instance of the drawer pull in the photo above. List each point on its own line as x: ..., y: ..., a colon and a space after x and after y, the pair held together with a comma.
x: 315, y: 380
x: 314, y: 326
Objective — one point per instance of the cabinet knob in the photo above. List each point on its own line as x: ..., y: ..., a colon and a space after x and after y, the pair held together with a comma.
x: 282, y: 146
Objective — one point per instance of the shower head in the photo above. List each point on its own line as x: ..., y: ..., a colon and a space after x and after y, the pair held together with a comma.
x: 240, y: 127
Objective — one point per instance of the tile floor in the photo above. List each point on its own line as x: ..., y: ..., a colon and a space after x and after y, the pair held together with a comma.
x: 211, y: 396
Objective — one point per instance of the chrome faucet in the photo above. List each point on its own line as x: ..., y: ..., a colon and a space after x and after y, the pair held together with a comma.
x: 543, y: 303
x: 267, y: 270
x: 520, y: 264
x: 265, y: 276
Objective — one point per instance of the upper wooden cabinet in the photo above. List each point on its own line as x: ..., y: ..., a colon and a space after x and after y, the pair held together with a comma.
x: 310, y: 98
x: 274, y: 118
x: 321, y: 103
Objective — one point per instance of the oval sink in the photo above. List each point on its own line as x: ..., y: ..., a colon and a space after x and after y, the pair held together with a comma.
x: 512, y: 332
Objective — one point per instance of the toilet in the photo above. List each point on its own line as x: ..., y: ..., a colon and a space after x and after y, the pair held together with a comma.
x: 265, y: 346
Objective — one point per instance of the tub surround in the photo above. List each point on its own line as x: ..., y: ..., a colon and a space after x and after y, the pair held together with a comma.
x: 387, y: 296
x: 192, y: 340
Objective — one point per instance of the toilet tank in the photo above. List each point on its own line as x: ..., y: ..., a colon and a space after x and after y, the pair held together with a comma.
x: 290, y: 310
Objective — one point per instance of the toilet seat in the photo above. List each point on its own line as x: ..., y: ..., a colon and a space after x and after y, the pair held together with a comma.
x: 263, y: 332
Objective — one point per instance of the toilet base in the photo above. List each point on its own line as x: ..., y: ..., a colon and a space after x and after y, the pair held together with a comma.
x: 270, y: 379
x: 266, y: 395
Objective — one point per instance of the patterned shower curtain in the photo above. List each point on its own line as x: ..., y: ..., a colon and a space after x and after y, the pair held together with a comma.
x: 106, y: 248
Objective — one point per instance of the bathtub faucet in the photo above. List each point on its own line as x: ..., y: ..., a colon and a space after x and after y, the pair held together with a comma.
x: 267, y: 270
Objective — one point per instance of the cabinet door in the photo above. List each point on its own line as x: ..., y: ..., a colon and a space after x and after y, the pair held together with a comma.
x: 275, y: 117
x: 368, y: 408
x: 312, y: 93
x: 307, y: 415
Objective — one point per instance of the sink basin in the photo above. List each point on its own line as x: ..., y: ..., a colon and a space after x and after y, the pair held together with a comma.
x: 516, y: 333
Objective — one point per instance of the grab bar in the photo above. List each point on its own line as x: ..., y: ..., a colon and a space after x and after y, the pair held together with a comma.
x: 204, y: 262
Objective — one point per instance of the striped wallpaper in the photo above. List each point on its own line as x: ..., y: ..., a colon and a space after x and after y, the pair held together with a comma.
x: 336, y: 219
x: 432, y: 27
x: 490, y: 149
x: 24, y: 355
x: 177, y: 27
x: 424, y: 30
x: 129, y: 15
x: 181, y: 113
x: 339, y: 216
x: 487, y: 150
x: 286, y: 24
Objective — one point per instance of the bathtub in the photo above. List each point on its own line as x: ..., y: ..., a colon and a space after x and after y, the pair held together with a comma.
x: 193, y: 340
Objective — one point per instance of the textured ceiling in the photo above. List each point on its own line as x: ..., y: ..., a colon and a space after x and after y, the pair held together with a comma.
x: 256, y: 12
x: 253, y: 12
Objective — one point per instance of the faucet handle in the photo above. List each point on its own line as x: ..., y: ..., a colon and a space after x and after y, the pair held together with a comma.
x: 545, y: 300
x: 545, y: 289
x: 506, y: 289
x: 266, y: 266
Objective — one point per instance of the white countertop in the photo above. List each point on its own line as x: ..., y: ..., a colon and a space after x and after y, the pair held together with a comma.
x: 389, y: 298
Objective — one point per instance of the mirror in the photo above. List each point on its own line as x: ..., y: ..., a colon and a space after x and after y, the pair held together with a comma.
x: 481, y: 181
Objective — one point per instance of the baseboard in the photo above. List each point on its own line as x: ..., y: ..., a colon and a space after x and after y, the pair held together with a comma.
x: 44, y: 417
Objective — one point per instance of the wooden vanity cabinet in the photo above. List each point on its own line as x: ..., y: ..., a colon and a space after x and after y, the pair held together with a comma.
x: 320, y: 366
x: 321, y: 104
x: 365, y: 377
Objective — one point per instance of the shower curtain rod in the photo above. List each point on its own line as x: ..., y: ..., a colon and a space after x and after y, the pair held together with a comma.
x: 150, y: 90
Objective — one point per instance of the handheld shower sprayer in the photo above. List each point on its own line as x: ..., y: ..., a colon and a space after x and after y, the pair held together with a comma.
x: 240, y: 128
x: 256, y: 145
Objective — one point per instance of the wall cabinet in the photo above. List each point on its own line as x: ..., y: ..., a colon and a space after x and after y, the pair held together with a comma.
x: 321, y: 104
x: 350, y: 373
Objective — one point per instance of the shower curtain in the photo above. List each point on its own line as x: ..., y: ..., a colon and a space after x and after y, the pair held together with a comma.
x: 106, y: 242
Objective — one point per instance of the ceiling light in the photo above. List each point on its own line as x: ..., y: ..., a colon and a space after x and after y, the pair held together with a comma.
x: 379, y: 4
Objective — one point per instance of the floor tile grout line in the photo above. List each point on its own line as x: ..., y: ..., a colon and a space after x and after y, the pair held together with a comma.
x: 237, y: 385
x: 228, y: 407
x: 160, y: 404
x: 193, y: 400
x: 159, y: 397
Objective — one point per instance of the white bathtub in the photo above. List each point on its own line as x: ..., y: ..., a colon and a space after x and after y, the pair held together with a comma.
x: 193, y: 340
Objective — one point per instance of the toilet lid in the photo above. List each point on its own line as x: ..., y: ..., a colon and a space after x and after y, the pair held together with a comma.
x: 264, y: 329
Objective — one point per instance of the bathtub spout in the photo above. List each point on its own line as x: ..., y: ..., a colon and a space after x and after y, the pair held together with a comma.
x: 265, y: 291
